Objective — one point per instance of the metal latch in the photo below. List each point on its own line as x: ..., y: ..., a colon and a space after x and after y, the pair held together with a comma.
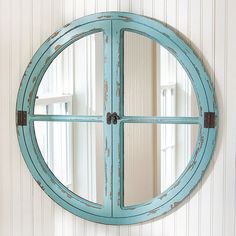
x: 209, y: 119
x: 112, y: 118
x: 22, y: 118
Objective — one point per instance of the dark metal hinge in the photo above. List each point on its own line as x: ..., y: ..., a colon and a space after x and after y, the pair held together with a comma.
x: 209, y: 120
x: 112, y: 118
x: 22, y: 118
x: 108, y: 118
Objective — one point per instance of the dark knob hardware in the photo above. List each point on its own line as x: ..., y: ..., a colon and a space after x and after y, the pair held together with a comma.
x: 112, y: 118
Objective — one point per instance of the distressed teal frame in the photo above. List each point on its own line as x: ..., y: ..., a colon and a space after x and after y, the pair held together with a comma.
x: 113, y: 25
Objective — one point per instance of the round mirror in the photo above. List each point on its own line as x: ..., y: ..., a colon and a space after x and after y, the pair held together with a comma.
x: 116, y: 118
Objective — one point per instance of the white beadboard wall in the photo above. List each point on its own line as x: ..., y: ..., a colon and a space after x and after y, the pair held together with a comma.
x: 209, y: 26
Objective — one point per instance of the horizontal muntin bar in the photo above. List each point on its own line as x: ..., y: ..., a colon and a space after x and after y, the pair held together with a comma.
x: 124, y: 119
x: 161, y: 119
x: 66, y: 118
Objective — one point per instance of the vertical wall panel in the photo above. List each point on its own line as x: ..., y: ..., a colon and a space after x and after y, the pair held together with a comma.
x: 26, y: 179
x: 135, y: 230
x: 101, y: 5
x: 124, y: 5
x: 229, y: 111
x: 209, y: 26
x: 219, y: 157
x: 112, y: 5
x: 136, y: 6
x: 124, y: 230
x: 193, y: 214
x: 16, y: 157
x: 5, y: 125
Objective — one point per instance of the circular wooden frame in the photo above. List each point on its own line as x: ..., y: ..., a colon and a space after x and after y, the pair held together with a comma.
x: 113, y: 24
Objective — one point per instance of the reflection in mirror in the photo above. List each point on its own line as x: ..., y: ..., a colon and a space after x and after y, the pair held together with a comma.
x: 73, y: 85
x: 75, y: 79
x: 155, y: 83
x: 154, y: 157
x: 74, y: 153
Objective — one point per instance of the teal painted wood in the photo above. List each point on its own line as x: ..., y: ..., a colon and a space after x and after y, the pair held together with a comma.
x: 161, y: 120
x: 67, y: 118
x: 118, y: 107
x: 107, y: 142
x: 113, y: 24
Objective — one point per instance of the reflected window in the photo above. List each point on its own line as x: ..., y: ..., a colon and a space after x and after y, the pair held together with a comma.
x: 73, y: 85
x: 155, y: 84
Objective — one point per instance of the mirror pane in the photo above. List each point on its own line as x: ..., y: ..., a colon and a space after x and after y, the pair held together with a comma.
x: 75, y: 77
x: 74, y: 153
x: 160, y: 152
x: 155, y: 83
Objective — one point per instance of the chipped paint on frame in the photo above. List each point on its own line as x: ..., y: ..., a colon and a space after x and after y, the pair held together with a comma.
x: 113, y: 24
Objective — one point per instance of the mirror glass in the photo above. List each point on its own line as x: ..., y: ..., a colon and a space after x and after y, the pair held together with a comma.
x: 74, y: 78
x: 160, y: 153
x: 73, y: 85
x: 155, y: 83
x: 74, y: 153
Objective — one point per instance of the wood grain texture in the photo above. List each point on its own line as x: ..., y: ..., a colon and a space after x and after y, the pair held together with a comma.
x: 209, y: 26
